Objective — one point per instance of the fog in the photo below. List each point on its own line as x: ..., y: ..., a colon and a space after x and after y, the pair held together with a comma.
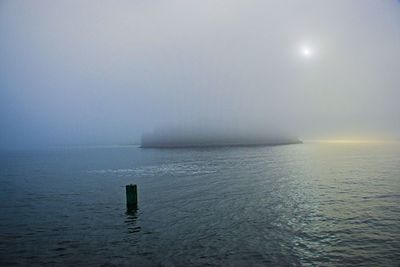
x: 105, y: 72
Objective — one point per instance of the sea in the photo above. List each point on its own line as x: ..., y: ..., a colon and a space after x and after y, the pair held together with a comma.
x: 311, y: 204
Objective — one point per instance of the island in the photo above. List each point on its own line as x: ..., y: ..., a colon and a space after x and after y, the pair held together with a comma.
x: 209, y: 138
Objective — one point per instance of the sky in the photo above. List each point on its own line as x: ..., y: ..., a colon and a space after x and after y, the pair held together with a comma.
x: 105, y: 72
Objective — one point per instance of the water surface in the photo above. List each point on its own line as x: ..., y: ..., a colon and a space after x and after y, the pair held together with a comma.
x: 309, y: 204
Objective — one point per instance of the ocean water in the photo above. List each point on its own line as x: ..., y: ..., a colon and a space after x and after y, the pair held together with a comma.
x: 295, y: 205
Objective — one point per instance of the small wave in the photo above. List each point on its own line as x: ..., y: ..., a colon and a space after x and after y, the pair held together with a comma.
x: 175, y: 169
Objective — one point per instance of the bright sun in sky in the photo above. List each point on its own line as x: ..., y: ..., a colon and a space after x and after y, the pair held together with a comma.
x: 306, y: 51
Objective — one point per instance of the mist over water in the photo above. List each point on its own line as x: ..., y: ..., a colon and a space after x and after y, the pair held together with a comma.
x: 83, y: 83
x: 96, y: 72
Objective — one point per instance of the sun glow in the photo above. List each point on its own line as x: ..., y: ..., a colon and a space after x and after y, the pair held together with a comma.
x: 349, y: 141
x: 306, y: 51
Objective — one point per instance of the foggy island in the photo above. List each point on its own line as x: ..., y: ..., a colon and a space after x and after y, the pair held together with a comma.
x: 184, y: 138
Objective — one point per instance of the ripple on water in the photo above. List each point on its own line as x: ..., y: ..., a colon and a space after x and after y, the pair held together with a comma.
x: 289, y: 205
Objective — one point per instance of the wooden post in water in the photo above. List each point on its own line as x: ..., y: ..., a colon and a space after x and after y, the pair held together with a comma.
x: 131, y: 197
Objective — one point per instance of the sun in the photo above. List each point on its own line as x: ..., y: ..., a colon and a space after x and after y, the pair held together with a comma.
x: 306, y: 51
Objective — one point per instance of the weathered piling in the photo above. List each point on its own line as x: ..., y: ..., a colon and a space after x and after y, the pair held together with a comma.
x: 131, y: 197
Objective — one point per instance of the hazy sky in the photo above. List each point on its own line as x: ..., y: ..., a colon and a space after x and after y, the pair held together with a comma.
x: 104, y: 72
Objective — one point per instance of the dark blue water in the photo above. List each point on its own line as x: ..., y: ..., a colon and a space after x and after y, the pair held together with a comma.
x: 310, y: 204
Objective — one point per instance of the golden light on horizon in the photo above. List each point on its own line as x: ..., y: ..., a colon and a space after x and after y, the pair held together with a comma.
x: 350, y: 141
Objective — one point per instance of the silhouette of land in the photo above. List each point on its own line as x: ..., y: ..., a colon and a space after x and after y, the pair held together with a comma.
x: 175, y: 139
